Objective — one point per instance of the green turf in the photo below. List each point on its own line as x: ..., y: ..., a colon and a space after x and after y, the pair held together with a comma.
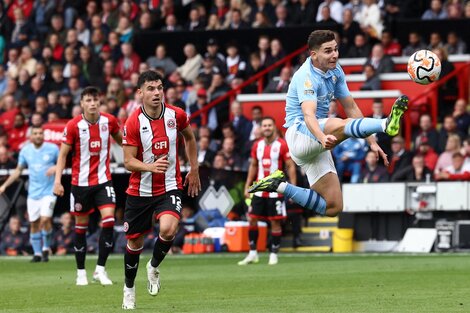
x: 214, y: 283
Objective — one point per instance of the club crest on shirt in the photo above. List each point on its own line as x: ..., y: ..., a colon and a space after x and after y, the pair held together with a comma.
x: 171, y: 123
x: 126, y: 227
x: 308, y: 84
x: 335, y: 79
x: 78, y: 207
x: 104, y: 127
x: 45, y: 157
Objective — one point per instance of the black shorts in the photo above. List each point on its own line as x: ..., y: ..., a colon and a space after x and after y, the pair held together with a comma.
x: 84, y: 200
x: 267, y: 208
x: 138, y: 215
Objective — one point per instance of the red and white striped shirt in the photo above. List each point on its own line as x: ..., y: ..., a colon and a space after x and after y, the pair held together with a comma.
x: 271, y: 157
x: 90, y: 147
x: 154, y: 138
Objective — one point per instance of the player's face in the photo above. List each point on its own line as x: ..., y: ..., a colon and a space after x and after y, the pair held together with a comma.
x: 326, y: 56
x: 152, y: 93
x: 267, y: 127
x: 37, y: 136
x: 90, y: 104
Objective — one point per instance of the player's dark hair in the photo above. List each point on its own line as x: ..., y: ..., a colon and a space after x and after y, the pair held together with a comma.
x: 268, y: 118
x: 319, y: 37
x: 148, y: 76
x: 36, y: 127
x: 90, y: 90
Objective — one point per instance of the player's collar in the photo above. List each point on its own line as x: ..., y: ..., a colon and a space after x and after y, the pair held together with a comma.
x: 162, y: 113
x: 319, y: 71
x: 89, y: 122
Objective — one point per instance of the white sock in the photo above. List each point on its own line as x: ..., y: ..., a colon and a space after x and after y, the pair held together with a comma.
x: 384, y: 122
x: 99, y: 269
x: 282, y: 186
x: 81, y: 272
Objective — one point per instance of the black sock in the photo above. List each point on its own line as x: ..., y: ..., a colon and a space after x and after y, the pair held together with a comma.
x: 106, y: 245
x: 253, y: 237
x: 131, y: 264
x: 160, y: 250
x: 80, y: 247
x: 275, y: 241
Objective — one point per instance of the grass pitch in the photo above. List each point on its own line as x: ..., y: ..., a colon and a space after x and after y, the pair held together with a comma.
x: 215, y: 283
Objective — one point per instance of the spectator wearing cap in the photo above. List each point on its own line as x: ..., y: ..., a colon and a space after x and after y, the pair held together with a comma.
x: 207, y: 71
x: 128, y: 63
x: 160, y: 59
x: 193, y: 62
x: 208, y: 118
x: 212, y: 50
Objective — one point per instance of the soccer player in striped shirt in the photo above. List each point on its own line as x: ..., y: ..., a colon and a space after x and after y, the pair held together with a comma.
x: 150, y: 142
x: 88, y: 137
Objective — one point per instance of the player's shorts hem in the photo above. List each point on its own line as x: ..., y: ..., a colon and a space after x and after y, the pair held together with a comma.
x: 157, y: 216
x: 137, y: 235
x: 108, y: 205
x: 258, y: 217
x: 276, y: 218
x: 75, y: 213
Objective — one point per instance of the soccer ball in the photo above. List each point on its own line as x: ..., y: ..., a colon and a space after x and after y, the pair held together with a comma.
x: 424, y: 67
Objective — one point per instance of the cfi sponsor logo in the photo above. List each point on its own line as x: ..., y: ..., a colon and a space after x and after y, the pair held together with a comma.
x: 171, y: 123
x: 78, y: 207
x: 126, y: 227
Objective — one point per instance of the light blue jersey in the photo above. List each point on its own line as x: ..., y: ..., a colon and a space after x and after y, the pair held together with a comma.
x: 310, y: 83
x: 38, y: 161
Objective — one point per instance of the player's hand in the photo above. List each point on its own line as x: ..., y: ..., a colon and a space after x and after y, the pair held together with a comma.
x: 193, y: 182
x: 50, y: 171
x: 374, y: 147
x: 58, y: 189
x: 160, y: 165
x: 2, y: 189
x: 247, y: 194
x: 328, y: 142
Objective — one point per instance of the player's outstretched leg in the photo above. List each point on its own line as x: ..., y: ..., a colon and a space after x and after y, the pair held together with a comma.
x: 252, y: 256
x: 364, y: 127
x: 305, y: 197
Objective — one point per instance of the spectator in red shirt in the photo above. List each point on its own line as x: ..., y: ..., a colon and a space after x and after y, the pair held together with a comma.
x: 391, y: 46
x: 459, y: 170
x: 17, y: 135
x: 128, y: 63
x: 428, y: 153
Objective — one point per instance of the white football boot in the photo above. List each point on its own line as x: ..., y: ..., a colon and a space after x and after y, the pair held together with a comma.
x: 128, y: 301
x: 102, y: 277
x: 273, y: 259
x: 81, y: 278
x: 251, y: 258
x: 153, y: 276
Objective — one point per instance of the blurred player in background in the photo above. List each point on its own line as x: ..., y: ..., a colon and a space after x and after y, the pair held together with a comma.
x: 155, y: 187
x: 40, y: 158
x: 311, y: 134
x: 88, y: 136
x: 267, y: 155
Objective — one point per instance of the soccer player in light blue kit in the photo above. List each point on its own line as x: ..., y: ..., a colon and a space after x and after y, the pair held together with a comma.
x: 40, y: 158
x: 311, y: 134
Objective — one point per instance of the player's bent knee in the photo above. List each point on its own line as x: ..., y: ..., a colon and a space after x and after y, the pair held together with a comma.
x: 334, y: 209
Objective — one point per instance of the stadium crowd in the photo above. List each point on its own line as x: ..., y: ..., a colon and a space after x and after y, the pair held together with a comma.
x: 51, y: 50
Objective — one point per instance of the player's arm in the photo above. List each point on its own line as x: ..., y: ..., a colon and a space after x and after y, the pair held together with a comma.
x: 309, y: 110
x: 250, y: 178
x: 192, y: 178
x: 118, y: 137
x: 13, y: 177
x: 131, y: 163
x: 59, y: 168
x: 290, y: 167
